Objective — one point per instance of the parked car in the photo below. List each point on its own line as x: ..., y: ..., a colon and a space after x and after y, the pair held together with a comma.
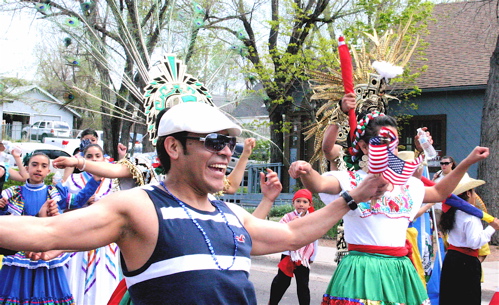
x: 43, y: 129
x: 51, y: 151
x: 70, y: 144
x: 137, y: 146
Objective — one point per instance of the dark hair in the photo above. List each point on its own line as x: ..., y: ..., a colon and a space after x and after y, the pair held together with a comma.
x: 159, y: 116
x: 373, y: 127
x: 163, y: 156
x: 92, y: 145
x: 448, y: 219
x: 89, y: 131
x: 28, y: 157
x: 454, y: 163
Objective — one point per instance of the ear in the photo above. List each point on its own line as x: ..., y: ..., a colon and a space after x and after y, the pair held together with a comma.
x: 363, y: 146
x: 172, y: 147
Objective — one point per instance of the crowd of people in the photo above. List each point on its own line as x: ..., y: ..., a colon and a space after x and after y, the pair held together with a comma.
x: 173, y: 241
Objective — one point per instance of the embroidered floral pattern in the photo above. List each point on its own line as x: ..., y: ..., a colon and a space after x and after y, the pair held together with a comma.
x: 396, y: 204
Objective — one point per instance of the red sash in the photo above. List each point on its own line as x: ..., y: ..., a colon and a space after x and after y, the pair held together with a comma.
x: 392, y: 251
x: 467, y: 251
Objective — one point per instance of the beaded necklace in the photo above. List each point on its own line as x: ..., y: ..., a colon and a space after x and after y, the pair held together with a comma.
x: 206, y: 238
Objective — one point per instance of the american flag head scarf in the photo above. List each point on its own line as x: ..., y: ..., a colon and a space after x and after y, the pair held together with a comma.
x: 383, y: 161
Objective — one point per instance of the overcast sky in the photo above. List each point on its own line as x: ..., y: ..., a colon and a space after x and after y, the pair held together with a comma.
x: 19, y: 36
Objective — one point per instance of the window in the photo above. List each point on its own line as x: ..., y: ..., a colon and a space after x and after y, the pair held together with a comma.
x: 436, y: 125
x: 61, y: 125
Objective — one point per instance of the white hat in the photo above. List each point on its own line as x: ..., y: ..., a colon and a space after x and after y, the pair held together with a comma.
x: 467, y: 183
x: 196, y: 118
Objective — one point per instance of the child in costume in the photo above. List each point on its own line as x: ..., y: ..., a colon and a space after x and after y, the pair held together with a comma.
x: 23, y: 281
x: 295, y: 262
x: 92, y: 275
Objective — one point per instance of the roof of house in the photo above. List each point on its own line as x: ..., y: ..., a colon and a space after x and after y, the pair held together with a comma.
x: 249, y: 105
x: 23, y: 89
x: 461, y: 41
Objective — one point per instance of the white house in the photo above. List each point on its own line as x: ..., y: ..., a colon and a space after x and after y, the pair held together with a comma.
x: 28, y: 104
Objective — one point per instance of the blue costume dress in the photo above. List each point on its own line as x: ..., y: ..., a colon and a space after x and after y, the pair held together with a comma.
x: 23, y: 281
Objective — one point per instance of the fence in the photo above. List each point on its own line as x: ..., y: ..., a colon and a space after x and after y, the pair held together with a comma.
x: 250, y: 195
x: 13, y: 132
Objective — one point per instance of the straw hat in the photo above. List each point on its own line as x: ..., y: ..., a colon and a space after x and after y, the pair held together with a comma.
x: 406, y: 155
x: 467, y: 183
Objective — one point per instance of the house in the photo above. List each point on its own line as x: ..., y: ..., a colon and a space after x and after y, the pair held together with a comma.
x: 249, y: 111
x: 462, y: 37
x: 26, y: 105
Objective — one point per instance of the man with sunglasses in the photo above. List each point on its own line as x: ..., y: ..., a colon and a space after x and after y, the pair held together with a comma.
x: 177, y: 245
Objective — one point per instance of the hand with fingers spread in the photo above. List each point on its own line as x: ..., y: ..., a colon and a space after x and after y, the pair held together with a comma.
x: 270, y: 184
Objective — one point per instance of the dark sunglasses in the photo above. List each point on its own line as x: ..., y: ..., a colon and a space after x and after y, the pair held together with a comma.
x: 215, y: 142
x: 445, y: 163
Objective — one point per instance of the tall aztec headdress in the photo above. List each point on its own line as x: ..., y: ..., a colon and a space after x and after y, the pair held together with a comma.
x: 170, y: 85
x: 373, y: 68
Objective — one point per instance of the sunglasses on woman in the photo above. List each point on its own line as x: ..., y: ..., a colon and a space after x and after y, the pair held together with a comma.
x: 445, y: 163
x: 215, y: 142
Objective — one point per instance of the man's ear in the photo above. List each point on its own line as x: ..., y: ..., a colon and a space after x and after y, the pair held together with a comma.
x: 172, y: 147
x: 364, y: 146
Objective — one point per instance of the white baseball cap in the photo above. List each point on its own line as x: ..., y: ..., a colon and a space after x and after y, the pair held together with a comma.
x: 196, y: 117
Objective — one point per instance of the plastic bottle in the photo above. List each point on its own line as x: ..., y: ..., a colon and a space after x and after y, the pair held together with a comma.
x: 57, y: 178
x: 429, y: 151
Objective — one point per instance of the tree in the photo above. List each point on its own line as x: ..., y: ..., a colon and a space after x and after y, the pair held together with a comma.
x: 488, y: 169
x: 114, y: 36
x: 296, y: 42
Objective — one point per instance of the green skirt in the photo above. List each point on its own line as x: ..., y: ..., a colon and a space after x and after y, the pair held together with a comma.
x: 375, y: 279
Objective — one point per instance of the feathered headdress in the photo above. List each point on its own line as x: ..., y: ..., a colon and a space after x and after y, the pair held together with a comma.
x: 373, y: 68
x: 170, y: 85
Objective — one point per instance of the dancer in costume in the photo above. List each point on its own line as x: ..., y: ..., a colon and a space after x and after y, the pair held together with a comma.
x: 92, y: 275
x: 172, y: 237
x: 333, y: 132
x: 462, y: 270
x: 295, y: 263
x: 87, y: 137
x: 376, y: 230
x: 37, y: 282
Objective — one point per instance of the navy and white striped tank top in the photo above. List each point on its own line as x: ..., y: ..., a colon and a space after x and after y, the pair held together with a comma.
x: 181, y: 269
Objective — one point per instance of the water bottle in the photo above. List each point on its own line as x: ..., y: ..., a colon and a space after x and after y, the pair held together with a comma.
x: 429, y: 151
x: 57, y: 178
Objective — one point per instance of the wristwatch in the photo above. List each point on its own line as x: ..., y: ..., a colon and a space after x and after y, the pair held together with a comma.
x: 350, y: 202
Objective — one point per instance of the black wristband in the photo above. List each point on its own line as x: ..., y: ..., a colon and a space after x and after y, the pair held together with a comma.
x: 350, y: 202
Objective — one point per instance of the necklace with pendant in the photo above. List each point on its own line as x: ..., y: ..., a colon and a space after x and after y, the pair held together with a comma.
x: 205, y: 236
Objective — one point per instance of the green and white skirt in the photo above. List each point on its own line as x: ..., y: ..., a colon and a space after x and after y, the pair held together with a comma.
x: 375, y: 279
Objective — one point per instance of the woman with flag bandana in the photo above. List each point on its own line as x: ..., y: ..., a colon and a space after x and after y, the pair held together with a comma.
x: 377, y: 265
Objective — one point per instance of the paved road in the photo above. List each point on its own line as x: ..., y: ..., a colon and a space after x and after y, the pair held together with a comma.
x: 263, y: 271
x: 264, y: 268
